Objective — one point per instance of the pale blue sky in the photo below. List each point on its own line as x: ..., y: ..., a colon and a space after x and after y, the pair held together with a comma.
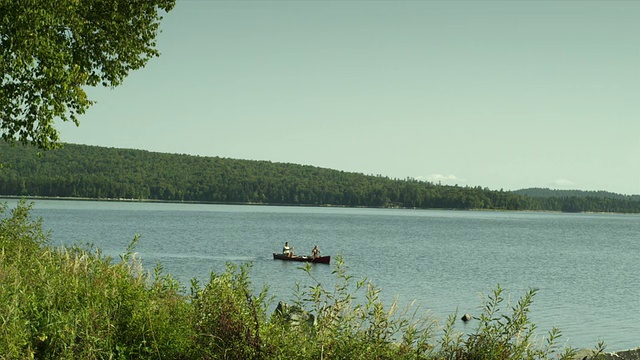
x: 498, y: 94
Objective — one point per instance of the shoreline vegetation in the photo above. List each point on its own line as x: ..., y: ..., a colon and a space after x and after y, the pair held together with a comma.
x: 99, y: 173
x: 73, y: 302
x: 155, y: 201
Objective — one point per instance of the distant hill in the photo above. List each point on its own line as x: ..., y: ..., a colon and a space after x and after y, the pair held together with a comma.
x: 545, y: 192
x: 81, y: 171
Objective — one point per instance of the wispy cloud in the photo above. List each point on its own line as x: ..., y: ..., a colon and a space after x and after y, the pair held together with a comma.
x: 435, y: 178
x: 562, y: 183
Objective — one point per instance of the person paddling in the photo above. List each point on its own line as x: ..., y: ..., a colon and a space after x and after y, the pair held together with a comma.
x: 315, y: 253
x: 287, y: 250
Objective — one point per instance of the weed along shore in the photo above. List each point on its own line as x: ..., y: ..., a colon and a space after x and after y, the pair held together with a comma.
x: 74, y: 302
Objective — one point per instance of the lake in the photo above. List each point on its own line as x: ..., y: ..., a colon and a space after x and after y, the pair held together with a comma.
x: 585, y: 266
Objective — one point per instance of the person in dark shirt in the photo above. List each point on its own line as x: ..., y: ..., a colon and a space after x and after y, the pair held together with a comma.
x: 315, y: 253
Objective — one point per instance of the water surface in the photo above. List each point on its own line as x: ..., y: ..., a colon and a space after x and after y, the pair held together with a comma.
x: 585, y: 266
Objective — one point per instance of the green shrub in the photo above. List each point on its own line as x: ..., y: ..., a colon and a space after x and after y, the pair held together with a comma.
x: 501, y: 336
x: 72, y: 302
x: 348, y: 327
x: 227, y: 318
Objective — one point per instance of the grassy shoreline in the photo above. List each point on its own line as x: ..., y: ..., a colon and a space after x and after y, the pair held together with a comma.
x: 73, y: 302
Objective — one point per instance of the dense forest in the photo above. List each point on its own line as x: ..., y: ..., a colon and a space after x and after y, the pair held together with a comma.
x: 545, y: 192
x: 81, y: 171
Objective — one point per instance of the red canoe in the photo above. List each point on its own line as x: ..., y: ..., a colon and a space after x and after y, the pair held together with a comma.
x: 321, y: 259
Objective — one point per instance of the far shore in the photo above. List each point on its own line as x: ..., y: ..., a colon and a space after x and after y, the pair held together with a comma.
x: 63, y: 198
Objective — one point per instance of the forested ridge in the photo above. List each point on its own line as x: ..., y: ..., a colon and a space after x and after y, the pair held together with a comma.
x: 109, y: 173
x: 546, y: 192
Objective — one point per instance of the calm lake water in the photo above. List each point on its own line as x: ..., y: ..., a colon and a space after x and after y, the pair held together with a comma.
x: 586, y: 266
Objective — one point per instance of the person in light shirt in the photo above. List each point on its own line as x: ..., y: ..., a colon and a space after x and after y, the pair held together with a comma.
x: 287, y: 250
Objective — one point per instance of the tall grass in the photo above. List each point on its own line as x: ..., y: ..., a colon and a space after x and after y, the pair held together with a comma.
x: 74, y: 303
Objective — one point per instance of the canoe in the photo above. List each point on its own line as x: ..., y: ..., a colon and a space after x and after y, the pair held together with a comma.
x: 320, y: 260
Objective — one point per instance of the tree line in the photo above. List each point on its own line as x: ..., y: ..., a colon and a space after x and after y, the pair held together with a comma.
x: 82, y: 171
x: 546, y: 192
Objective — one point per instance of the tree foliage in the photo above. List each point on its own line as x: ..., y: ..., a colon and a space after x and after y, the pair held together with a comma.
x: 98, y: 172
x: 51, y: 50
x: 545, y: 192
